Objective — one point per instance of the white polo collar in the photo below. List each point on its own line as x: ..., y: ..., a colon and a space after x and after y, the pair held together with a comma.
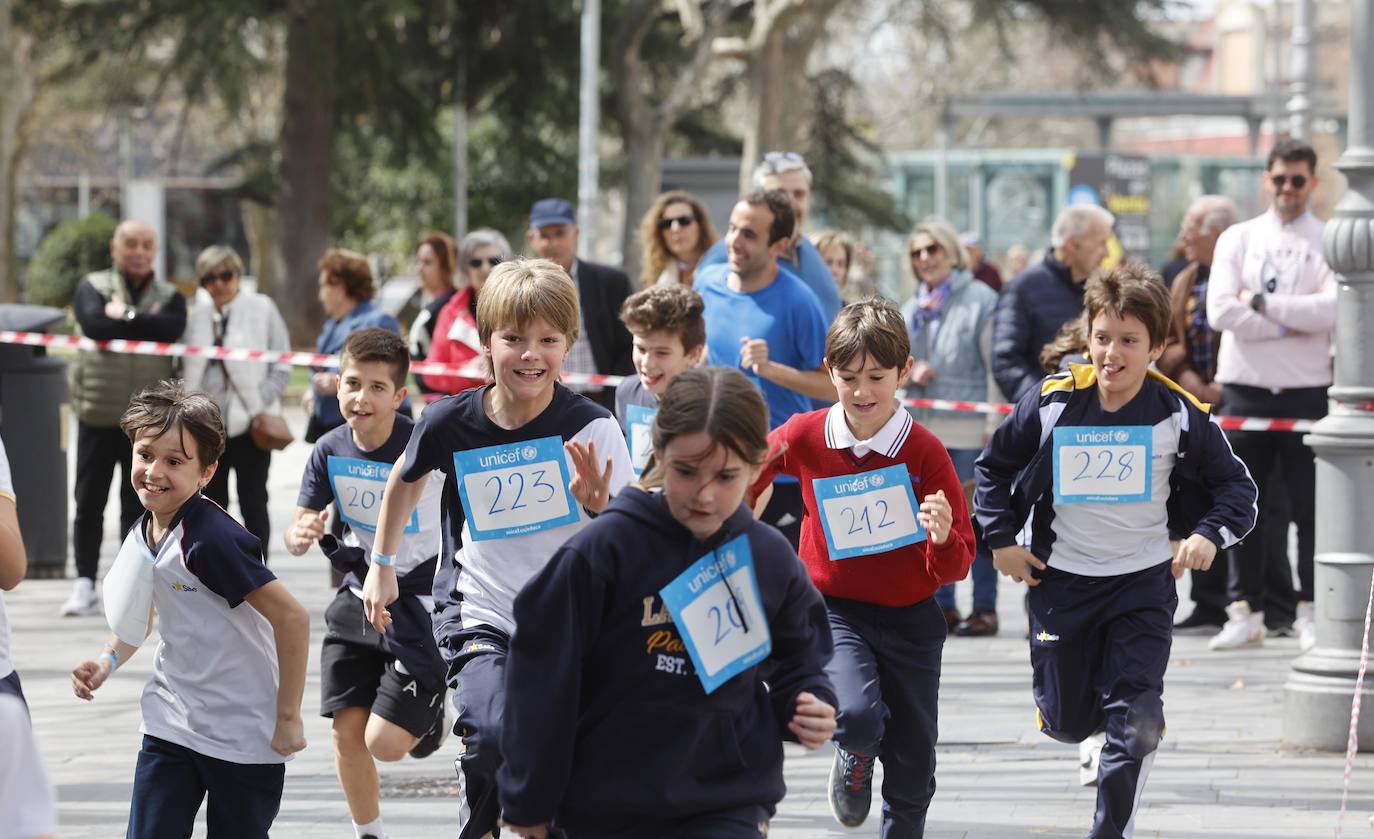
x: 889, y: 439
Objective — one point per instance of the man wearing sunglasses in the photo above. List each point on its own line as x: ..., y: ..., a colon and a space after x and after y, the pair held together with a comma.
x: 1273, y: 298
x: 787, y: 171
x: 124, y: 301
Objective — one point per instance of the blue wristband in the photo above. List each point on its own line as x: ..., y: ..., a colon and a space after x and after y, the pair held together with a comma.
x: 384, y: 560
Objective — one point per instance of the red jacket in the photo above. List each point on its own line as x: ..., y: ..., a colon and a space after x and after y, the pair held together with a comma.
x: 899, y: 577
x: 455, y: 342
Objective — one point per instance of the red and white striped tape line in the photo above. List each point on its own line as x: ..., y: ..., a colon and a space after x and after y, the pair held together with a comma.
x: 432, y: 368
x: 1353, y: 741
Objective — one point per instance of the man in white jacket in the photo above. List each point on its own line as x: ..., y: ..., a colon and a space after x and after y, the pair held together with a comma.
x: 1273, y: 298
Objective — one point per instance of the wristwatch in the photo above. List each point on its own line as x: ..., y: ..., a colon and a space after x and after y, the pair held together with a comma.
x: 1257, y: 302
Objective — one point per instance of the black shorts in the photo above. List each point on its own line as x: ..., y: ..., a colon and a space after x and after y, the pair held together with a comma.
x: 357, y: 671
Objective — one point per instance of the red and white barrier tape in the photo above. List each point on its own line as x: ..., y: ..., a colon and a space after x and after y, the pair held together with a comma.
x: 432, y: 368
x: 1353, y: 742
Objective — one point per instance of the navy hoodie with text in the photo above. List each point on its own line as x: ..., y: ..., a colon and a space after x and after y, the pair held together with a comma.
x: 606, y: 724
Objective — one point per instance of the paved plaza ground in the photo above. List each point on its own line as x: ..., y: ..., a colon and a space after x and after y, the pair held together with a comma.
x: 1221, y: 771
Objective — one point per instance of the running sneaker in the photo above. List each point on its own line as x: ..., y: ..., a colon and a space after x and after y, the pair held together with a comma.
x: 1306, y: 626
x: 1089, y: 758
x: 83, y: 600
x: 851, y: 787
x: 434, y: 738
x: 1243, y: 627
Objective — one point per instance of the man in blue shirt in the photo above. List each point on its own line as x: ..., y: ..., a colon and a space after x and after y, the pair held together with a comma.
x: 787, y: 171
x: 761, y: 318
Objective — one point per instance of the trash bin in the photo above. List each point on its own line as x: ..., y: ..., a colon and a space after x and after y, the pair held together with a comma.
x: 33, y: 425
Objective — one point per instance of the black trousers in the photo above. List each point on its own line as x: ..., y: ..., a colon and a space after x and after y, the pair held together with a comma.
x: 1264, y: 453
x: 98, y: 452
x: 250, y: 465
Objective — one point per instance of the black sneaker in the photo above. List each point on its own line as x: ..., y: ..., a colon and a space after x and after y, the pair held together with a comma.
x: 433, y: 739
x: 1200, y: 622
x: 851, y: 787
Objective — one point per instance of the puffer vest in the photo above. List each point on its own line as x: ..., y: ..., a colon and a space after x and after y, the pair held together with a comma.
x: 102, y: 382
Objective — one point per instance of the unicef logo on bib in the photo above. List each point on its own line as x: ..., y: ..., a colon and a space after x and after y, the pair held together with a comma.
x: 716, y: 606
x: 870, y: 513
x: 358, y: 487
x: 639, y: 423
x: 515, y: 489
x: 1103, y: 464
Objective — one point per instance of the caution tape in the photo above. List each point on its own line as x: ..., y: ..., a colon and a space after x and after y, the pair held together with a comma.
x: 1352, y: 742
x: 434, y: 368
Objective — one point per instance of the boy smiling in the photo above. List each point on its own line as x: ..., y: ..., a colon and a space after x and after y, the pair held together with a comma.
x: 1113, y: 458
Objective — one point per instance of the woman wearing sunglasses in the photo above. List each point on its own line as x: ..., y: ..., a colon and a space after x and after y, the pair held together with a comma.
x: 949, y: 319
x: 675, y: 233
x: 228, y: 316
x: 455, y: 327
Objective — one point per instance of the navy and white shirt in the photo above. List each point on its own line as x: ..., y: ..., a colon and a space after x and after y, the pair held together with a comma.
x: 214, y: 684
x: 477, y: 580
x: 1189, y: 452
x: 353, y: 480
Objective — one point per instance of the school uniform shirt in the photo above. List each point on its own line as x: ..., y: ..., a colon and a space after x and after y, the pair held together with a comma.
x: 356, y: 483
x: 477, y: 579
x: 821, y: 446
x: 1190, y: 457
x: 785, y: 313
x: 214, y: 684
x: 607, y: 725
x: 631, y: 391
x: 26, y: 797
x: 7, y: 491
x: 638, y: 430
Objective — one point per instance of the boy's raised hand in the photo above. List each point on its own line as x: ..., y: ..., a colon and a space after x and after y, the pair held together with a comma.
x: 87, y: 677
x: 1016, y: 562
x: 936, y: 516
x: 814, y: 721
x: 289, y: 736
x: 590, y: 485
x: 1197, y: 552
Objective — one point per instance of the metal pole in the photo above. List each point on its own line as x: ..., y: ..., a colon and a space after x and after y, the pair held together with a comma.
x: 588, y: 165
x: 460, y: 146
x: 1317, y: 697
x: 1300, y: 103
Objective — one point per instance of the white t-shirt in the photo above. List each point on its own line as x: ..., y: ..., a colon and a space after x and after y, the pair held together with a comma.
x: 27, y: 805
x: 7, y: 491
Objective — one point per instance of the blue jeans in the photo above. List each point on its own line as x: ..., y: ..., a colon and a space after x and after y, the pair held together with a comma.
x: 983, y: 573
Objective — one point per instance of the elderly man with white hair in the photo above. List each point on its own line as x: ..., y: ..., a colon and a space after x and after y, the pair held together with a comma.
x: 1044, y: 297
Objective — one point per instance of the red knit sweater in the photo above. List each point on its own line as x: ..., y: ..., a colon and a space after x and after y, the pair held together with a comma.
x: 899, y: 577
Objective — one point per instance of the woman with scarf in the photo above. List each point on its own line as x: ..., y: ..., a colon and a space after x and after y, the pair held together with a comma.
x: 950, y: 321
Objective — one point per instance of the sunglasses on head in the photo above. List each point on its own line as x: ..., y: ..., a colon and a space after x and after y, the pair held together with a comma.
x: 1279, y: 181
x: 478, y: 262
x: 680, y: 221
x: 920, y: 253
x: 222, y: 276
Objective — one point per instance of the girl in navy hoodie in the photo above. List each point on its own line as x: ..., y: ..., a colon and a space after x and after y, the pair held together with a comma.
x: 635, y: 695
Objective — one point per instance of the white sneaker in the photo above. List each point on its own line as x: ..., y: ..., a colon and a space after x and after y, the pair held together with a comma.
x: 1242, y: 628
x: 1305, y: 625
x: 83, y: 599
x: 1089, y: 757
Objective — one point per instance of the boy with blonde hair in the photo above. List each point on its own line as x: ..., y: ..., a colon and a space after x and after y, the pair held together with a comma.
x: 526, y: 464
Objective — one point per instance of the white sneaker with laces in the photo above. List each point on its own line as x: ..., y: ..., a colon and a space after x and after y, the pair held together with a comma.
x: 83, y: 599
x: 1089, y: 758
x: 1305, y: 625
x: 1243, y: 627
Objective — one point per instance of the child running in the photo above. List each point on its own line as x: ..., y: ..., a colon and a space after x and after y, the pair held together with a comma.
x: 222, y: 712
x: 636, y: 703
x: 385, y: 693
x: 1096, y: 453
x: 523, y: 468
x: 885, y: 525
x: 665, y: 321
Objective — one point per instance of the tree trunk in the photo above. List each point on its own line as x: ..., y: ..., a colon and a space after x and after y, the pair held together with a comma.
x: 643, y: 180
x: 260, y: 227
x: 16, y: 80
x: 307, y: 142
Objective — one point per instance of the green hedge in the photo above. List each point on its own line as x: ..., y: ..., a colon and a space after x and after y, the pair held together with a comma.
x: 71, y: 251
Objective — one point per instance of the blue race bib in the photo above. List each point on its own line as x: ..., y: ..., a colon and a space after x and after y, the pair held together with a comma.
x: 869, y: 513
x: 715, y: 604
x: 515, y: 489
x: 639, y: 422
x: 1103, y: 464
x: 358, y: 486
